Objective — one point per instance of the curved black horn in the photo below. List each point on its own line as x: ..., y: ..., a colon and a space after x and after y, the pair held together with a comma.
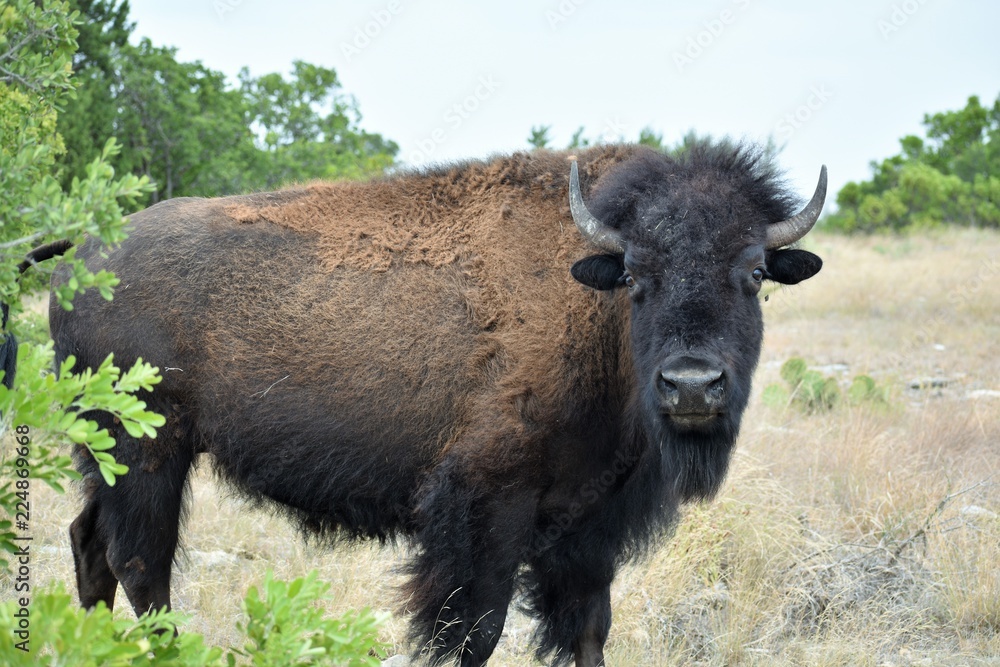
x: 592, y: 229
x: 791, y: 230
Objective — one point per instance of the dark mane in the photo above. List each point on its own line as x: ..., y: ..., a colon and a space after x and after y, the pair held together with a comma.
x: 722, y: 168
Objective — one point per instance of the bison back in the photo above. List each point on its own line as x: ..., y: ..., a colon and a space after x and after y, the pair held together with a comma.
x: 329, y: 391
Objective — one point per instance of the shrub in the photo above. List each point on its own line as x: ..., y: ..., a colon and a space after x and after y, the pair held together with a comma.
x: 285, y: 627
x: 810, y: 391
x: 282, y: 622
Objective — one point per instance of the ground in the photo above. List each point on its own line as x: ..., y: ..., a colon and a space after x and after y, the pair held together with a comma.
x: 867, y: 534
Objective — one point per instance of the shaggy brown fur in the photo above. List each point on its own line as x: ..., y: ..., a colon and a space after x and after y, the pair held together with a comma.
x: 472, y: 215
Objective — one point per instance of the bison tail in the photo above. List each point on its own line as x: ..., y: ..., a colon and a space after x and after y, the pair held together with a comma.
x: 8, y: 351
x: 8, y: 348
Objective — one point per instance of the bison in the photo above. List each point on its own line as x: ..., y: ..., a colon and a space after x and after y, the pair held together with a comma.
x: 523, y: 365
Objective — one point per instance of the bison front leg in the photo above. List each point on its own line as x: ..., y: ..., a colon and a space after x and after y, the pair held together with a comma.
x: 569, y: 590
x: 588, y: 647
x: 575, y: 623
x: 471, y: 540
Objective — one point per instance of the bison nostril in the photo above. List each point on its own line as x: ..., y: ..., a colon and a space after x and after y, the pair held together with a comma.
x: 717, y: 388
x: 668, y: 388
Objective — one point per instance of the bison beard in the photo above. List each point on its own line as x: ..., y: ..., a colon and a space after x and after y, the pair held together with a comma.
x: 695, y: 466
x: 414, y: 357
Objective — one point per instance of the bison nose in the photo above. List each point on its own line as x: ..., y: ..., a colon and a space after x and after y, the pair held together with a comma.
x: 692, y: 386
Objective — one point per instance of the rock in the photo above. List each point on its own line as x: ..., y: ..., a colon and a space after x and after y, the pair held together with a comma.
x: 977, y: 512
x: 984, y: 393
x: 212, y: 558
x: 56, y: 551
x: 831, y: 369
x: 929, y: 383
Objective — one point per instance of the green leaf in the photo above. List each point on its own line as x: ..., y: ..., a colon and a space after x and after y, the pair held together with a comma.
x: 775, y: 396
x: 107, y: 474
x: 793, y: 370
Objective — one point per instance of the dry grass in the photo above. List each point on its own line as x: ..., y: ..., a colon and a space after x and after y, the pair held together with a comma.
x: 863, y: 536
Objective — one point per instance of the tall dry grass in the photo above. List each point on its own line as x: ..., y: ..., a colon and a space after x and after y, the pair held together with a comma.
x: 867, y: 535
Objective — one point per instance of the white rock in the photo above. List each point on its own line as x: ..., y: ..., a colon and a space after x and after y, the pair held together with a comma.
x: 55, y: 551
x: 977, y: 511
x: 211, y: 558
x: 984, y: 393
x: 831, y: 369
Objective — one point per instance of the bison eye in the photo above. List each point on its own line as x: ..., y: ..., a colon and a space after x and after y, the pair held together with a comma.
x: 629, y: 281
x: 758, y: 274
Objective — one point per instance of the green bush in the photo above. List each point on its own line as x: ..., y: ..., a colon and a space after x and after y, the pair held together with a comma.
x: 283, y: 624
x: 948, y: 178
x: 285, y: 627
x: 61, y: 633
x: 810, y: 391
x: 865, y: 391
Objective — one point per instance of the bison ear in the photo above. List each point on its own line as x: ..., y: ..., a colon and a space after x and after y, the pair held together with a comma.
x: 792, y: 266
x: 601, y: 272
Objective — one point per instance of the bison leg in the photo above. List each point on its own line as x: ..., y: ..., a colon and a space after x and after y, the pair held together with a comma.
x: 145, y: 530
x: 569, y: 588
x: 94, y: 580
x: 133, y: 525
x: 588, y: 647
x: 470, y: 545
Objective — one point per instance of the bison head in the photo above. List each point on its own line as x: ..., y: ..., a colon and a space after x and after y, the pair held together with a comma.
x: 691, y: 242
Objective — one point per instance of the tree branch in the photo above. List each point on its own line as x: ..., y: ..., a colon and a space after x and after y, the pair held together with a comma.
x: 920, y: 532
x: 24, y: 239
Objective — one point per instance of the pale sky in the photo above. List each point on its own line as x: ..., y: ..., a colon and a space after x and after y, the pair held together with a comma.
x: 838, y: 82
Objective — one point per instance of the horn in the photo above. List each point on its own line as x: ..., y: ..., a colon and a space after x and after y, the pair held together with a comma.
x: 791, y: 230
x: 592, y: 229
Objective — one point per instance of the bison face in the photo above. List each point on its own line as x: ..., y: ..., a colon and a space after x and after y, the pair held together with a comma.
x: 691, y: 248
